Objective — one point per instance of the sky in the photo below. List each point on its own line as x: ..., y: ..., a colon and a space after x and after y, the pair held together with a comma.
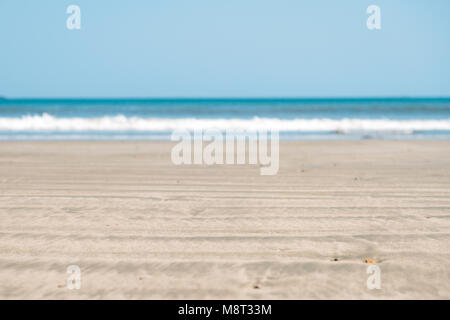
x: 224, y: 48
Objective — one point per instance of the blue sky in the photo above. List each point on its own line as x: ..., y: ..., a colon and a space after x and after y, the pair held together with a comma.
x: 226, y: 48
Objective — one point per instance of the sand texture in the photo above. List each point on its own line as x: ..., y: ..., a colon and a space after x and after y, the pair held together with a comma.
x: 140, y: 227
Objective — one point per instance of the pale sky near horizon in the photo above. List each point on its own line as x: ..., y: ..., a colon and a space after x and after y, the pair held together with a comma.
x: 232, y: 48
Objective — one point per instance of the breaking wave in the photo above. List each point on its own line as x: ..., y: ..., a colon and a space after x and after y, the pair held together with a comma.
x: 49, y: 123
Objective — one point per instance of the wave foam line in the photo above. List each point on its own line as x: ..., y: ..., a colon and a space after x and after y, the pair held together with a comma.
x: 47, y: 122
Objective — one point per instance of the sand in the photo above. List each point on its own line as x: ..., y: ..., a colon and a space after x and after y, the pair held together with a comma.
x: 141, y: 228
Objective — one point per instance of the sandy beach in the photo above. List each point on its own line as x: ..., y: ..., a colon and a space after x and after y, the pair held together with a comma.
x: 140, y: 227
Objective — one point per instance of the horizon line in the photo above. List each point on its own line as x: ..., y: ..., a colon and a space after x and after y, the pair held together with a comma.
x: 233, y: 98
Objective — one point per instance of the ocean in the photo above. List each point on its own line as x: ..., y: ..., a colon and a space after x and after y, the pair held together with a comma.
x: 155, y: 119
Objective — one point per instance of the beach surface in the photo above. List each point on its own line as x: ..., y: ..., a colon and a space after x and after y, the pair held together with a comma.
x: 140, y: 227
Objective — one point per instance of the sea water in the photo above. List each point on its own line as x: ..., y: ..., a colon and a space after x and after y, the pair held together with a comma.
x: 155, y: 119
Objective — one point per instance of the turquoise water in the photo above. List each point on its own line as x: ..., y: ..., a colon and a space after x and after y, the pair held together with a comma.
x: 110, y: 119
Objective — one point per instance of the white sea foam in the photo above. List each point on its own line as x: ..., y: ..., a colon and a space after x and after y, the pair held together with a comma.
x: 46, y: 122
